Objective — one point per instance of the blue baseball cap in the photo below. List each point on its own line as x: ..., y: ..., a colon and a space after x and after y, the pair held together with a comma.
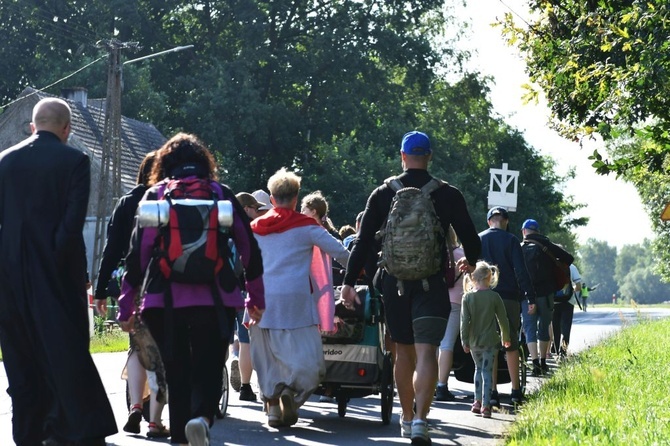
x: 530, y: 224
x: 498, y: 210
x: 415, y: 143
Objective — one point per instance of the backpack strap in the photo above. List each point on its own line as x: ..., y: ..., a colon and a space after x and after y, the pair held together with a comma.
x: 545, y: 250
x: 433, y: 185
x: 394, y: 183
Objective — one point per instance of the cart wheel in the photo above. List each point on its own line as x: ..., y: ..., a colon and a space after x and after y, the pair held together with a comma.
x: 342, y: 406
x: 146, y: 406
x: 225, y: 391
x: 387, y: 388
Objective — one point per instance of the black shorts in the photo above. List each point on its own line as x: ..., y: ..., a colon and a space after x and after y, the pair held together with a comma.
x: 417, y: 316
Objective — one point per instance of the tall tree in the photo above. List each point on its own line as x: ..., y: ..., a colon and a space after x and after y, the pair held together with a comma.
x: 602, y: 64
x: 597, y: 261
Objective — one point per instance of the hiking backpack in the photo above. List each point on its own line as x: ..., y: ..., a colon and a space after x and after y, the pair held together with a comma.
x: 412, y: 238
x: 537, y: 254
x: 187, y: 248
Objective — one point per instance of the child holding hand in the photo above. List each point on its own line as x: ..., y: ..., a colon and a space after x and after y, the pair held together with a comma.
x: 480, y: 309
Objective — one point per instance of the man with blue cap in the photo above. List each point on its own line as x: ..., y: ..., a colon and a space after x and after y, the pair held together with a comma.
x: 540, y: 255
x: 416, y: 316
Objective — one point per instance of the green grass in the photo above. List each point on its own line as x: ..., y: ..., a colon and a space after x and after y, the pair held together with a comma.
x: 114, y: 341
x: 617, y: 393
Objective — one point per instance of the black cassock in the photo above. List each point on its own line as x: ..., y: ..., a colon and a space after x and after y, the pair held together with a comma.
x: 55, y: 388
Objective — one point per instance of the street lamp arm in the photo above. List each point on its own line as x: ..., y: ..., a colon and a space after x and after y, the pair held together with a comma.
x: 151, y: 56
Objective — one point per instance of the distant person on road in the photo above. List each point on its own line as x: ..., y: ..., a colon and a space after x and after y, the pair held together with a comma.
x: 585, y: 295
x: 286, y: 347
x: 57, y: 395
x: 503, y: 249
x: 481, y: 309
x: 538, y: 251
x: 416, y: 317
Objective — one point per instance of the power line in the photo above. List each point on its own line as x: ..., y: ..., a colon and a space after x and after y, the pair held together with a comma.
x: 515, y: 13
x: 57, y: 82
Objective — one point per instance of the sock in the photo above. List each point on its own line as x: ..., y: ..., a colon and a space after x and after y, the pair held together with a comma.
x: 246, y: 386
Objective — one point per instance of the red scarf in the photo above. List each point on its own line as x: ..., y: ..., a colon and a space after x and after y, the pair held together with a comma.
x: 278, y: 220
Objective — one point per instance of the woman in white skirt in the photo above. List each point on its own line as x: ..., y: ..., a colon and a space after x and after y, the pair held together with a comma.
x: 286, y: 348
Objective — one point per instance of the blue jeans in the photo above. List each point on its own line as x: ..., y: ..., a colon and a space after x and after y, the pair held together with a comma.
x: 483, y: 358
x: 536, y: 326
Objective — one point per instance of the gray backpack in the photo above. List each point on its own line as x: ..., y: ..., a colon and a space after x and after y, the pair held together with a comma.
x: 412, y: 238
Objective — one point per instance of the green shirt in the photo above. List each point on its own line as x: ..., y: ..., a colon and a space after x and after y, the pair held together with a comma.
x: 479, y: 312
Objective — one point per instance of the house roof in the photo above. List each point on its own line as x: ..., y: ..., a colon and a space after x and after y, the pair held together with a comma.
x: 88, y: 126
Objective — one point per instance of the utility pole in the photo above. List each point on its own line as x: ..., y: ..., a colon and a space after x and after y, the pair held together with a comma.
x: 111, y: 147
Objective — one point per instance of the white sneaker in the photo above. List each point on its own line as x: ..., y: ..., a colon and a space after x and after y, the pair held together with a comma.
x: 420, y: 433
x: 197, y: 432
x: 405, y: 428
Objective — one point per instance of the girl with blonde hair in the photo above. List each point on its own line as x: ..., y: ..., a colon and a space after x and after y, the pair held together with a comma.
x: 481, y: 308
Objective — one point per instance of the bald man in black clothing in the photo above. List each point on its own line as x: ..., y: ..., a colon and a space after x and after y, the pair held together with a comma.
x: 57, y: 395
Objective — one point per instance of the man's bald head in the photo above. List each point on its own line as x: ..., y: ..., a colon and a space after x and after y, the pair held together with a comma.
x: 52, y: 115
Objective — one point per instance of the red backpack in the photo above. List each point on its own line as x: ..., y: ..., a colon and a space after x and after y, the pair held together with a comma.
x: 187, y: 248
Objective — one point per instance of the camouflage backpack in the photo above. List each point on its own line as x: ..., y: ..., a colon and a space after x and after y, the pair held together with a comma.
x: 412, y: 237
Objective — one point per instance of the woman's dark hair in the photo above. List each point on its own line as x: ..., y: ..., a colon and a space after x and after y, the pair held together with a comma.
x: 183, y: 155
x: 144, y: 172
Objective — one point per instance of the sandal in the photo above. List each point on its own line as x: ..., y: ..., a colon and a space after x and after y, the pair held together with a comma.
x: 157, y: 431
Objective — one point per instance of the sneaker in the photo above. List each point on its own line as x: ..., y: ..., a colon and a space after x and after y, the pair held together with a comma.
x: 134, y: 420
x: 486, y: 412
x: 495, y: 399
x: 274, y: 416
x: 420, y: 433
x: 289, y: 411
x: 235, y: 378
x: 537, y: 368
x: 517, y: 396
x: 246, y: 394
x: 544, y: 366
x: 197, y: 432
x: 442, y: 393
x: 326, y: 399
x: 405, y: 428
x: 476, y: 407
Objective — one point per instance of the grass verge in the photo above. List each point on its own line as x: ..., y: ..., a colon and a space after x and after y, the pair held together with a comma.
x: 109, y: 342
x: 114, y: 341
x: 613, y: 394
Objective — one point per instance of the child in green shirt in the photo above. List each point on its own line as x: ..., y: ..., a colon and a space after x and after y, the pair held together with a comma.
x: 480, y: 309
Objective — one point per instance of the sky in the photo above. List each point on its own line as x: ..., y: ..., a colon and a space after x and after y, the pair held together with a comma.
x: 492, y: 57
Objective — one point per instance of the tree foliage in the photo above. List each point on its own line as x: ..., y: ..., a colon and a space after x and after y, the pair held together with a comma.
x: 637, y: 278
x: 326, y: 88
x: 603, y: 64
x: 598, y: 263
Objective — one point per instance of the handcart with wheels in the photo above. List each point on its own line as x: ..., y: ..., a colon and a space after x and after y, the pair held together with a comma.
x: 357, y: 362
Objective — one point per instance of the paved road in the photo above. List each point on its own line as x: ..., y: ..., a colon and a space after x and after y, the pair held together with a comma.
x: 319, y: 424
